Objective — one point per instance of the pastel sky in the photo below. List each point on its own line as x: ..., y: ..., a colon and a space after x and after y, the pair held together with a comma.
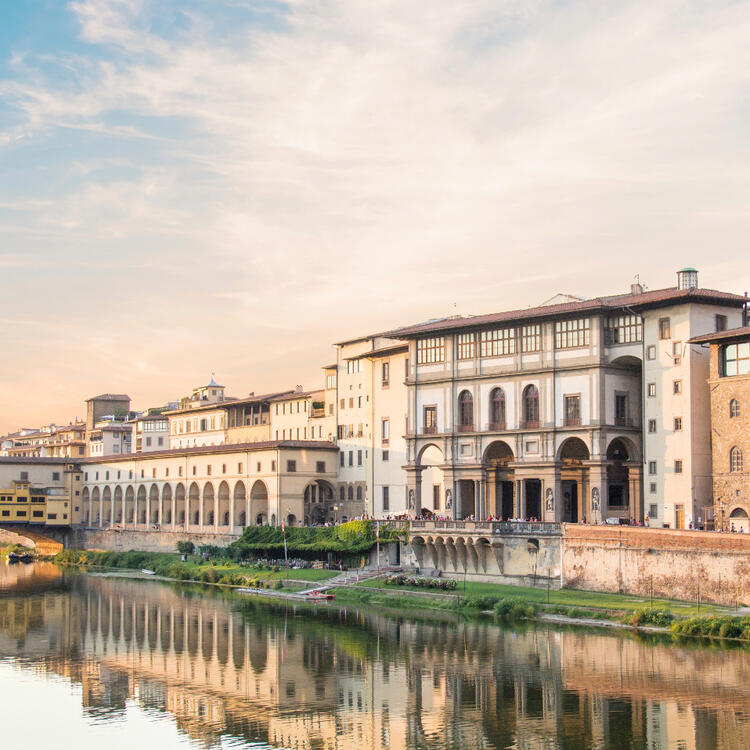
x: 188, y: 187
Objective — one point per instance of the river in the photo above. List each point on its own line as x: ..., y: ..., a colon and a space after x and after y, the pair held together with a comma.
x: 89, y: 661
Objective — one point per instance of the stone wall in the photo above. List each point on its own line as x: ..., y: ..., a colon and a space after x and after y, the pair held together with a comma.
x: 122, y: 540
x: 11, y: 537
x: 679, y: 564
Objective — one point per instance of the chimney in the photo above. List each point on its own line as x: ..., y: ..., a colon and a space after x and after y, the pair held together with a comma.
x: 687, y: 278
x: 636, y: 287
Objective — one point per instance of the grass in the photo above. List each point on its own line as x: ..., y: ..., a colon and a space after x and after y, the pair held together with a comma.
x: 569, y: 598
x: 169, y: 565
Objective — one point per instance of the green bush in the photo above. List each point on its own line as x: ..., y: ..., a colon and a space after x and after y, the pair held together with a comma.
x: 279, y: 584
x: 646, y: 616
x: 719, y: 627
x: 514, y: 609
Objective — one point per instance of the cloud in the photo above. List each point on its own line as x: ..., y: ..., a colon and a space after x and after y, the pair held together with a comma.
x: 320, y: 169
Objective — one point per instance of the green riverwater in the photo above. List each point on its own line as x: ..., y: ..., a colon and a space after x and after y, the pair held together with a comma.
x: 93, y: 662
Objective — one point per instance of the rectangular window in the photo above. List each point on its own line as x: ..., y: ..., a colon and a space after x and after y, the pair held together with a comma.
x: 239, y: 468
x: 652, y: 425
x: 386, y: 455
x: 273, y: 465
x: 721, y: 322
x: 208, y: 469
x: 55, y: 476
x: 351, y: 402
x: 436, y: 496
x: 677, y: 386
x: 735, y: 359
x: 360, y: 432
x: 223, y: 468
x: 330, y: 382
x: 465, y: 346
x: 342, y: 459
x: 320, y: 467
x: 351, y: 458
x: 572, y: 411
x: 431, y: 350
x: 651, y: 389
x: 664, y: 328
x: 385, y: 430
x: 652, y: 489
x: 291, y: 466
x: 651, y: 352
x: 497, y: 342
x: 678, y: 466
x: 343, y: 403
x: 385, y: 373
x: 652, y: 467
x: 257, y: 467
x: 359, y: 458
x: 430, y: 420
x: 621, y: 409
x: 386, y: 498
x: 677, y: 352
x: 531, y: 338
x: 653, y: 510
x: 677, y: 424
x: 623, y: 329
x: 570, y: 334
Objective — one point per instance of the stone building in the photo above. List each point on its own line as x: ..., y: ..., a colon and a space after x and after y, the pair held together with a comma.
x: 729, y: 386
x: 556, y: 412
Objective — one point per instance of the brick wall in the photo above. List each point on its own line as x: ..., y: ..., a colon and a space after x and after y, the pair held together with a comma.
x: 678, y: 563
x: 731, y: 490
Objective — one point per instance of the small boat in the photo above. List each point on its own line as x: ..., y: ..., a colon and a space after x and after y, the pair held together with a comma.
x: 148, y: 572
x: 14, y: 557
x: 27, y: 557
x: 321, y: 596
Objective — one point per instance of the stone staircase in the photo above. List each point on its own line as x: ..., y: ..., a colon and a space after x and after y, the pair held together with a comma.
x: 350, y: 578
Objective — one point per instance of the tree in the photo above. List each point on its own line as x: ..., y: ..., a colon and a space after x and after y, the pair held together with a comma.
x: 185, y: 548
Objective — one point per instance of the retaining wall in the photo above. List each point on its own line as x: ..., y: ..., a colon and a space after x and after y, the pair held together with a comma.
x: 679, y: 564
x: 122, y: 540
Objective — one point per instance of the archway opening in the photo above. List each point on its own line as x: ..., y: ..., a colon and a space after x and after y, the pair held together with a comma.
x: 500, y: 479
x: 259, y: 503
x: 433, y: 497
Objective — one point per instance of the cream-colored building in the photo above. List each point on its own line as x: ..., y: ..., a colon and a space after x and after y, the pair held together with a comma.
x: 540, y: 413
x: 208, y: 489
x: 110, y: 439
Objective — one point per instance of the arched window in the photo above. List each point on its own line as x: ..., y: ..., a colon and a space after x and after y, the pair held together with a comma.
x: 497, y: 409
x: 359, y: 492
x: 350, y: 493
x: 531, y: 406
x: 735, y: 459
x: 465, y: 411
x: 734, y: 408
x: 342, y: 492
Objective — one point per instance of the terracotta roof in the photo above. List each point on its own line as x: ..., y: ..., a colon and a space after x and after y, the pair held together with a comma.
x: 37, y: 460
x: 636, y: 302
x: 110, y: 397
x: 227, y: 403
x: 203, y: 449
x: 382, y: 352
x: 732, y: 333
x: 299, y: 394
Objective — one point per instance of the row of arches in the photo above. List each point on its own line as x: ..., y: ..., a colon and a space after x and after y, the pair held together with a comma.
x: 561, y: 490
x: 180, y: 505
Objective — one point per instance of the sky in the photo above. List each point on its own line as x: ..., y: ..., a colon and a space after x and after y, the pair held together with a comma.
x: 232, y: 186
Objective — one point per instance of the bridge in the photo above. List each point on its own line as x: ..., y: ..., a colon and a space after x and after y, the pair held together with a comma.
x: 22, y: 534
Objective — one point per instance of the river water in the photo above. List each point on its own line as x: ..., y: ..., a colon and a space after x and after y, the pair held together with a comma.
x: 89, y: 661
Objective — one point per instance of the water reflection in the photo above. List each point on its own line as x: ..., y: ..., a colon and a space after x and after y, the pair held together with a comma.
x: 229, y: 670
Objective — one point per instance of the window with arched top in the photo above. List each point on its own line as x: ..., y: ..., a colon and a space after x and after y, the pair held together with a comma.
x: 735, y: 459
x: 465, y: 411
x: 350, y: 493
x: 734, y: 408
x: 497, y: 409
x: 359, y: 492
x: 531, y: 406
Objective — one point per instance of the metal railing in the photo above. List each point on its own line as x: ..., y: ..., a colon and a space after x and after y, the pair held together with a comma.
x: 493, y: 527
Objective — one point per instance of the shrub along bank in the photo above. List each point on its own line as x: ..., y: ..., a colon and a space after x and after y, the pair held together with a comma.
x: 346, y: 541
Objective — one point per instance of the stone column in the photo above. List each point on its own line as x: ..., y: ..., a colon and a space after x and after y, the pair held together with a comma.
x: 490, y: 481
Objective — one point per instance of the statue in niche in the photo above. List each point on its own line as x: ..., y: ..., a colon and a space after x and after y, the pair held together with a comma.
x: 550, y: 499
x: 448, y: 500
x: 595, y: 499
x: 411, y: 499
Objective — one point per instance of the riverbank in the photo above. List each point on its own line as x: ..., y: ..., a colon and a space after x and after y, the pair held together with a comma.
x: 504, y: 602
x: 170, y: 566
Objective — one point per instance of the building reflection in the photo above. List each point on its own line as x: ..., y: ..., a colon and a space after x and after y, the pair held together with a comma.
x: 342, y: 679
